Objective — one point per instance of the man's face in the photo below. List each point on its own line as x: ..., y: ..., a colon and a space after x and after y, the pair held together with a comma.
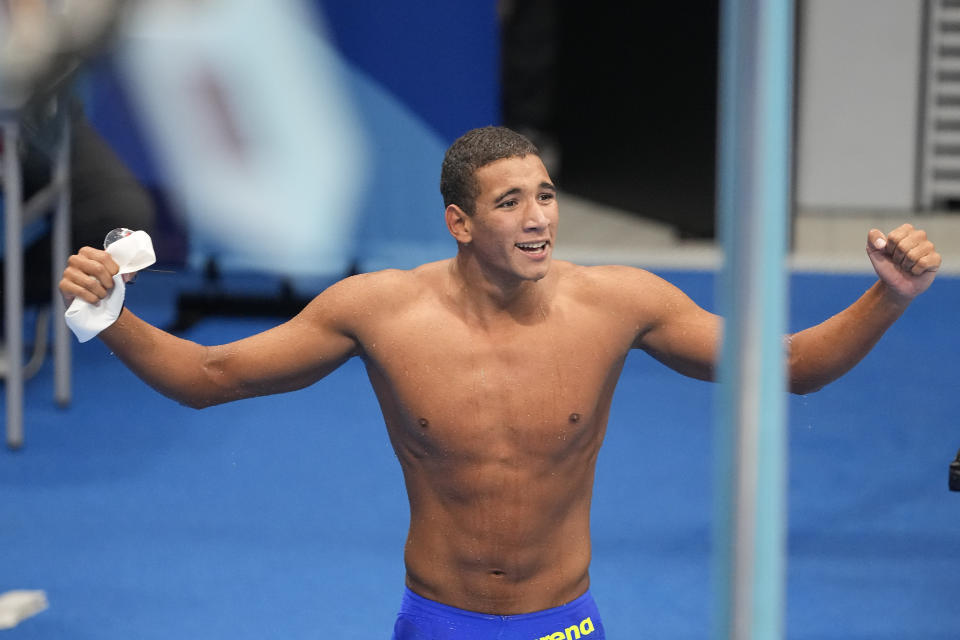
x: 514, y: 224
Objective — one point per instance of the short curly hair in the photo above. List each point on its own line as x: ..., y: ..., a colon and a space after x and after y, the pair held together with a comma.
x: 474, y: 149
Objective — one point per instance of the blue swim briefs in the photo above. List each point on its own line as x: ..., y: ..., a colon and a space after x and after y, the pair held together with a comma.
x: 422, y: 619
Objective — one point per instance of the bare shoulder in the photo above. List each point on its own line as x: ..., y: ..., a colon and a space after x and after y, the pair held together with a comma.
x: 615, y: 285
x: 667, y: 323
x: 368, y: 297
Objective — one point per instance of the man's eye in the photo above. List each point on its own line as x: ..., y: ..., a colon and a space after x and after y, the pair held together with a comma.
x: 508, y: 203
x: 546, y: 196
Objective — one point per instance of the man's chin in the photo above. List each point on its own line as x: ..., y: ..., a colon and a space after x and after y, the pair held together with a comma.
x: 540, y: 273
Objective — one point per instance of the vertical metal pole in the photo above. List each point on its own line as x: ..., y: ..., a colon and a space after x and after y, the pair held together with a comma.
x: 61, y: 249
x: 13, y: 284
x: 753, y: 198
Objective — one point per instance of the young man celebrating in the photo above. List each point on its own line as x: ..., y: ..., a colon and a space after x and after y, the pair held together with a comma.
x: 495, y: 371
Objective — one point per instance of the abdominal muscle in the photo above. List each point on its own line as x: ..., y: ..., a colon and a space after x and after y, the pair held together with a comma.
x: 495, y: 536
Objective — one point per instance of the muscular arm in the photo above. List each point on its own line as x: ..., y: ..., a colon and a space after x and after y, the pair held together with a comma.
x: 287, y: 357
x: 677, y: 331
x: 906, y: 263
x: 821, y: 354
x: 686, y: 337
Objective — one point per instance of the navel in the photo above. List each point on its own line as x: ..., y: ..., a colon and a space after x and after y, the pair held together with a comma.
x: 574, y: 417
x: 423, y: 422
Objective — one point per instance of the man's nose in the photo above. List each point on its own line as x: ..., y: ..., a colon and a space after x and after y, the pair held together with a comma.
x: 536, y: 218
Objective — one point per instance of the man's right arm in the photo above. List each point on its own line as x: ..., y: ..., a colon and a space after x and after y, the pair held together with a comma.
x: 287, y: 357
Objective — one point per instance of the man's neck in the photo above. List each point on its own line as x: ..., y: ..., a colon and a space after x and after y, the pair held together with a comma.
x: 488, y: 295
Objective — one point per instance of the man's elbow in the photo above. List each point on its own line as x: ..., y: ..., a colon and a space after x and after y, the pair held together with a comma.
x: 203, y: 397
x: 212, y: 386
x: 802, y: 378
x: 801, y: 387
x: 196, y: 403
x: 204, y: 393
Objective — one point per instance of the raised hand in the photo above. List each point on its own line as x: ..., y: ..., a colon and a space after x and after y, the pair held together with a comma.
x: 904, y: 259
x: 88, y: 276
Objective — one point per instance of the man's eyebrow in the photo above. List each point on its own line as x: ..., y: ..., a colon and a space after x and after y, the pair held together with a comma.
x: 516, y: 190
x: 511, y: 192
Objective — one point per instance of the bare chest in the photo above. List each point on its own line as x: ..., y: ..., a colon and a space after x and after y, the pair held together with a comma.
x: 516, y: 391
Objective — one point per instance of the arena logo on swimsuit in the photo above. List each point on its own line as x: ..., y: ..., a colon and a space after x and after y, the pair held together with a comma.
x: 572, y: 632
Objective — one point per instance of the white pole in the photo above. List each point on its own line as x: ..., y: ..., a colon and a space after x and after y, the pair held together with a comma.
x: 60, y: 252
x: 753, y: 201
x: 13, y: 283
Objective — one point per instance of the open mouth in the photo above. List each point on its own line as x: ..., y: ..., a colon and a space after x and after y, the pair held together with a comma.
x: 532, y: 247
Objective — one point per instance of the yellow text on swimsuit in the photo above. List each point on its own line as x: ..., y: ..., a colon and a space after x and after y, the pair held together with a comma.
x: 573, y: 632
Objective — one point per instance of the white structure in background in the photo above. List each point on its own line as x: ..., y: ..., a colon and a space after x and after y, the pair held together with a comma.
x: 940, y: 158
x: 242, y: 101
x: 857, y: 111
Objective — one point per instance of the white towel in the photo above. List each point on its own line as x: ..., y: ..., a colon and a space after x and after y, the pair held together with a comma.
x: 16, y: 606
x: 132, y: 253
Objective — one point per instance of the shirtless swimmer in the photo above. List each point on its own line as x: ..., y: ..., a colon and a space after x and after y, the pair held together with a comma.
x: 495, y: 371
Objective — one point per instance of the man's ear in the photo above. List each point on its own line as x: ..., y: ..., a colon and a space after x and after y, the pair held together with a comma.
x: 459, y: 224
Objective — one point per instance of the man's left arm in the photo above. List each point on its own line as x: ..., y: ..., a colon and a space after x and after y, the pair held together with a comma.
x: 906, y: 263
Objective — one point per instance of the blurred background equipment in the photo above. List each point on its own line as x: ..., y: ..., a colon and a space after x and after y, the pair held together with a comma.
x: 55, y: 163
x: 955, y: 473
x: 245, y: 108
x: 44, y: 42
x: 939, y: 173
x: 287, y: 147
